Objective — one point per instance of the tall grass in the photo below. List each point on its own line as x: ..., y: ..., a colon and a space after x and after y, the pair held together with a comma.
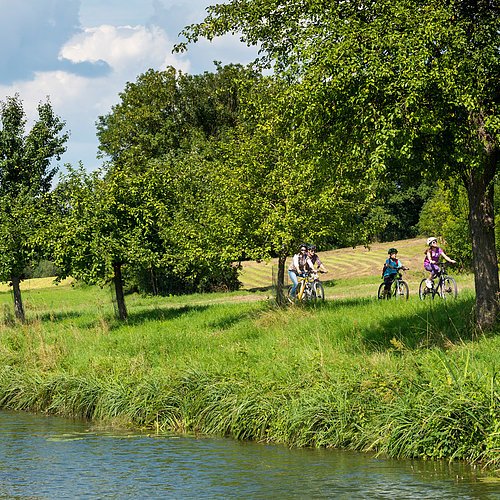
x: 404, y: 379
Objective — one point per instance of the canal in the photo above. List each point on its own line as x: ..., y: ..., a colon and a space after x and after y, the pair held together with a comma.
x: 50, y: 457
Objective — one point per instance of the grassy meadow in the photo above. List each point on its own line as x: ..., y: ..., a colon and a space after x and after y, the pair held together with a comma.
x: 404, y: 379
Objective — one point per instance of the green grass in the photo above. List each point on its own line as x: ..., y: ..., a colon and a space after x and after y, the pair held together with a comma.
x: 404, y: 379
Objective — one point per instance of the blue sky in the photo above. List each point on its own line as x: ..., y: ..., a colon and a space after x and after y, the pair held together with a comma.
x: 81, y: 53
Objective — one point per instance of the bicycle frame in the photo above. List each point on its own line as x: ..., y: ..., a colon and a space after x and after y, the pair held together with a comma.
x: 442, y: 276
x: 306, y: 287
x: 445, y: 285
x: 399, y: 288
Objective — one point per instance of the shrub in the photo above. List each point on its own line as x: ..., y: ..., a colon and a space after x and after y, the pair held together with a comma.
x: 42, y: 269
x: 157, y: 281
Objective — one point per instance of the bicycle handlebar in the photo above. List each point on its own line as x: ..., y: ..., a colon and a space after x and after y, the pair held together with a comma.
x: 306, y: 274
x: 443, y: 266
x: 398, y: 272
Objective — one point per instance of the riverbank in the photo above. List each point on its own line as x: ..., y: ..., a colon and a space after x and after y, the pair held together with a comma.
x: 405, y: 379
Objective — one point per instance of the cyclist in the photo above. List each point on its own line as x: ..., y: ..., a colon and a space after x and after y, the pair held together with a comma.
x: 301, y: 263
x: 431, y: 260
x: 391, y: 267
x: 316, y: 261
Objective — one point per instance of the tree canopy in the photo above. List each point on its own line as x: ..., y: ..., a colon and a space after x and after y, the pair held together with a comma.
x: 150, y: 210
x: 410, y: 85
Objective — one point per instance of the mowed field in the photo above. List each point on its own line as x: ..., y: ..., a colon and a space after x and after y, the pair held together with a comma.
x: 37, y: 283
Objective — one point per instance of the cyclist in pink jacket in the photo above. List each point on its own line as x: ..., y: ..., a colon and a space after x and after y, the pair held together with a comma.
x: 431, y: 260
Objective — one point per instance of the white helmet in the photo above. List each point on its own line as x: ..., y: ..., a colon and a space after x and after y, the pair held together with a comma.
x: 430, y: 240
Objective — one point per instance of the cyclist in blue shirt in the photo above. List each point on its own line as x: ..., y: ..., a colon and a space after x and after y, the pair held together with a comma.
x: 391, y: 267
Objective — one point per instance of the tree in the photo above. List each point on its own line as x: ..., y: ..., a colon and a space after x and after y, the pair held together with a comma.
x: 26, y: 174
x: 400, y: 203
x: 144, y: 210
x: 412, y: 84
x: 195, y: 249
x: 445, y: 214
x: 97, y: 230
x: 165, y: 112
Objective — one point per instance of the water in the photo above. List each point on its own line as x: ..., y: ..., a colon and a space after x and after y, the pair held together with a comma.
x: 52, y: 458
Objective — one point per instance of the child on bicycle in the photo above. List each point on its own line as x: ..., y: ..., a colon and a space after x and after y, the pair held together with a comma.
x: 431, y: 260
x: 391, y: 268
x: 301, y: 263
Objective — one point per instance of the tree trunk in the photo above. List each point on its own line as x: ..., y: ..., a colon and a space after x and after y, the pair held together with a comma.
x: 280, y: 283
x: 480, y: 189
x: 120, y: 297
x: 18, y: 301
x: 154, y: 285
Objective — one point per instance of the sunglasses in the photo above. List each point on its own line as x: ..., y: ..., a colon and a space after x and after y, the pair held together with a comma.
x: 303, y: 249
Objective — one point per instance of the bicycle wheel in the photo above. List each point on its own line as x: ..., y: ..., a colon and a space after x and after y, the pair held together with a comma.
x: 401, y: 290
x: 424, y: 292
x: 289, y: 296
x: 380, y: 294
x: 308, y: 293
x: 449, y: 288
x: 319, y: 291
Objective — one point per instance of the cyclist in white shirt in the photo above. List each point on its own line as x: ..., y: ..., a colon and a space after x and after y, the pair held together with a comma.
x: 301, y: 263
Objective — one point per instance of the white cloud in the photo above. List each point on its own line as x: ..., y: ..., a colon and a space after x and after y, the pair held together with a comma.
x: 31, y: 34
x: 124, y: 47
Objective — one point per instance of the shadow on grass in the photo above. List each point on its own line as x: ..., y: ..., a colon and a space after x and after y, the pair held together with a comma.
x: 230, y: 320
x: 170, y: 313
x: 111, y: 322
x: 328, y: 283
x: 57, y: 317
x: 260, y: 289
x: 136, y: 318
x: 434, y: 324
x: 161, y: 314
x: 332, y: 304
x: 382, y: 325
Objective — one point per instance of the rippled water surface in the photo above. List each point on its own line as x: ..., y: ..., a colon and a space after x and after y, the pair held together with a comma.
x: 49, y: 457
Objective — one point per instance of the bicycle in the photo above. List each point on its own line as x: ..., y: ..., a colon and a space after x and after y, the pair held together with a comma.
x: 446, y: 286
x: 399, y: 288
x: 308, y: 289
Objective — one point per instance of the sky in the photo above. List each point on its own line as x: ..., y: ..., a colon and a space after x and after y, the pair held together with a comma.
x: 81, y: 53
